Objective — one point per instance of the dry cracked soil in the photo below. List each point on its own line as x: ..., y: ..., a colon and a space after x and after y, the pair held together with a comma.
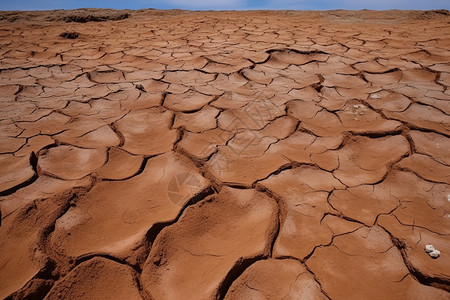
x: 224, y: 155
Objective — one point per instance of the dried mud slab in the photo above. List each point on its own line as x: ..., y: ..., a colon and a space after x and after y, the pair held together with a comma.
x: 23, y: 257
x: 194, y: 257
x: 369, y: 158
x: 354, y: 117
x: 130, y: 206
x: 97, y: 278
x: 51, y: 124
x: 224, y: 155
x: 275, y: 279
x: 34, y: 144
x: 228, y: 167
x: 19, y: 263
x: 432, y: 144
x: 202, y: 145
x: 303, y: 194
x: 426, y: 167
x: 190, y: 101
x: 68, y: 162
x: 424, y: 117
x: 15, y: 171
x: 366, y: 202
x: 200, y: 121
x: 120, y: 165
x: 43, y: 188
x: 432, y: 271
x: 302, y: 147
x: 98, y: 138
x: 147, y: 132
x: 366, y: 264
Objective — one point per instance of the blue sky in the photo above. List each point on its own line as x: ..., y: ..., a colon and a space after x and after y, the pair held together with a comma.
x: 223, y: 4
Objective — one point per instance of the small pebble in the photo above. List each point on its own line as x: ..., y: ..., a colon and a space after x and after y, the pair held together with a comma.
x: 429, y: 248
x: 432, y: 252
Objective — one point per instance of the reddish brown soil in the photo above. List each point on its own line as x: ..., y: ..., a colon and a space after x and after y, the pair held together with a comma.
x: 224, y: 155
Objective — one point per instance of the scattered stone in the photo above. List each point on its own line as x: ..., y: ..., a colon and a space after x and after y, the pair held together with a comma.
x: 432, y: 252
x: 140, y: 87
x: 69, y: 35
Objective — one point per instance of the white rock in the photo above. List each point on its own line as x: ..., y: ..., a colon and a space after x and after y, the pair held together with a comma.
x: 429, y: 248
x: 358, y: 106
x: 432, y: 252
x: 435, y: 253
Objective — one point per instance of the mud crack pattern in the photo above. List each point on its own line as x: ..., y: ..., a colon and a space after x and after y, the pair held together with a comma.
x: 224, y: 155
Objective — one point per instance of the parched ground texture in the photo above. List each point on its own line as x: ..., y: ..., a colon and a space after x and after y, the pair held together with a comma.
x: 224, y: 155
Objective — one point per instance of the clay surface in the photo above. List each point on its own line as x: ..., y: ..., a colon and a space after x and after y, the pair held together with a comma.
x: 224, y: 155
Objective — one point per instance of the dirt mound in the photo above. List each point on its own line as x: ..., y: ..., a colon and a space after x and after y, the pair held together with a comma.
x: 81, y: 15
x: 69, y: 35
x: 438, y: 13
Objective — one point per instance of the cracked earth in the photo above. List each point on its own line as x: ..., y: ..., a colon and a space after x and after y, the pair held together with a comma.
x: 224, y: 155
